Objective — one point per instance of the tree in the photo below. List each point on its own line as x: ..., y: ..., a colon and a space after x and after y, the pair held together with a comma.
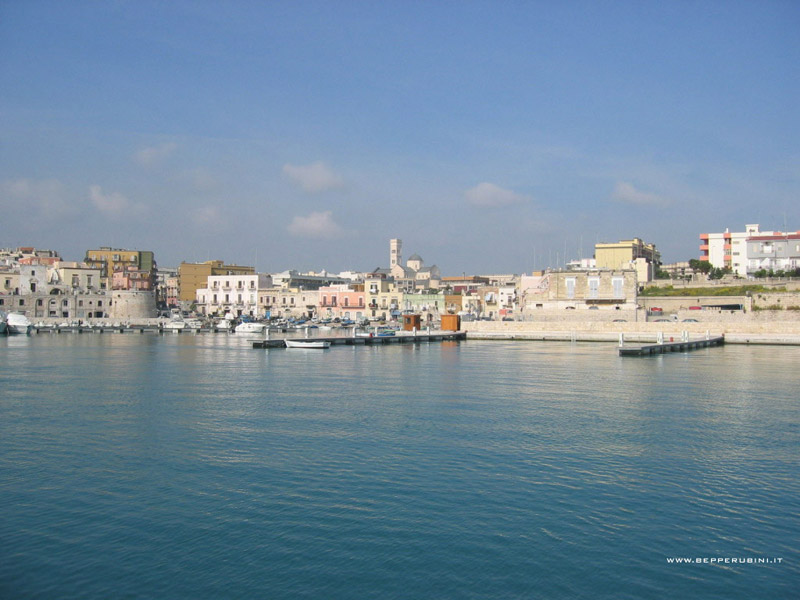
x: 701, y: 265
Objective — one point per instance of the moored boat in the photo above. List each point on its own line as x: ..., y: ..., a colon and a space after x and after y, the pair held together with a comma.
x: 250, y: 327
x: 309, y: 344
x: 17, y: 323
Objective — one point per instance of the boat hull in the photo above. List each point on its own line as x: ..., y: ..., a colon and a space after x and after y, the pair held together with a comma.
x: 308, y: 345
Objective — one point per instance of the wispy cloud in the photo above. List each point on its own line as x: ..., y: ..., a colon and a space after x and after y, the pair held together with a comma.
x: 45, y: 196
x: 199, y: 179
x: 318, y: 225
x: 489, y: 195
x: 208, y: 215
x: 113, y: 204
x: 316, y: 177
x: 626, y: 193
x: 155, y: 155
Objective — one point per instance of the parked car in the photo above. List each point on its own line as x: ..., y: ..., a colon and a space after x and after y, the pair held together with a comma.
x: 620, y: 321
x: 690, y: 321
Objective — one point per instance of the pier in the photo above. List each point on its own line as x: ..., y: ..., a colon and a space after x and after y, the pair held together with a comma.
x: 404, y: 337
x: 662, y: 347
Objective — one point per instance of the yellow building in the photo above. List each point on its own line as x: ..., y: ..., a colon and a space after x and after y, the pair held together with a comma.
x: 629, y: 254
x: 109, y: 260
x: 194, y: 276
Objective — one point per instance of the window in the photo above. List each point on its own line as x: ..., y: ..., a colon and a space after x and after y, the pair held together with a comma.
x: 618, y: 284
x: 39, y: 303
x: 346, y: 301
x: 570, y: 283
x: 594, y: 286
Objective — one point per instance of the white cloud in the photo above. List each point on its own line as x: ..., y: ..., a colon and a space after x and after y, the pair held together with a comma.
x: 316, y: 177
x: 47, y: 196
x: 113, y: 204
x: 318, y: 225
x: 627, y: 194
x: 489, y: 195
x: 149, y: 157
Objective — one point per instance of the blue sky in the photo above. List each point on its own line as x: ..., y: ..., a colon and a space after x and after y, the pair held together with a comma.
x: 491, y: 137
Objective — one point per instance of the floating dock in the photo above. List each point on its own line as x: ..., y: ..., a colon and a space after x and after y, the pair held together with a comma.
x: 399, y: 338
x: 664, y: 347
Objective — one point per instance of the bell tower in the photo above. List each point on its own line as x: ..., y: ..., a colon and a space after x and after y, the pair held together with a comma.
x: 395, y: 252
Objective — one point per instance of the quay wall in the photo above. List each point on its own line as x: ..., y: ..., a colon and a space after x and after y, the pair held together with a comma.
x: 757, y: 323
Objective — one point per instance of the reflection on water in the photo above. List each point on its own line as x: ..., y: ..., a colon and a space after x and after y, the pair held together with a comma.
x: 196, y: 466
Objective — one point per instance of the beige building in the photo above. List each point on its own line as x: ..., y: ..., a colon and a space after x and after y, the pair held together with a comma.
x: 629, y: 254
x: 383, y: 297
x: 194, y: 276
x: 109, y: 260
x: 75, y: 276
x: 590, y: 289
x: 283, y: 302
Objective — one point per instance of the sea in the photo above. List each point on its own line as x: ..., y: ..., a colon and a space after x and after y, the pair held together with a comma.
x: 195, y: 466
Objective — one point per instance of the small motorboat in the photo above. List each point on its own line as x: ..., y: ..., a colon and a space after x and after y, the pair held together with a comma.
x: 308, y: 344
x: 17, y: 323
x: 250, y: 327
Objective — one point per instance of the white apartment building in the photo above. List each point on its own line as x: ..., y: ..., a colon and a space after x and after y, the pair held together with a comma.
x: 750, y: 250
x: 235, y: 294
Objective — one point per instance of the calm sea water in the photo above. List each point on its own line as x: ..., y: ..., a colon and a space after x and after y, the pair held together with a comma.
x: 138, y: 466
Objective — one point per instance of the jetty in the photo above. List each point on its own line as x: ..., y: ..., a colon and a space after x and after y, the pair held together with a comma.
x: 662, y: 347
x: 401, y: 337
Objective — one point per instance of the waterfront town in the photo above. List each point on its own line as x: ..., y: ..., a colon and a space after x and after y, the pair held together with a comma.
x: 620, y: 283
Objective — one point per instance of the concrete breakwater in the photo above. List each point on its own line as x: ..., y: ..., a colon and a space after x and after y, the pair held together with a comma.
x: 761, y: 332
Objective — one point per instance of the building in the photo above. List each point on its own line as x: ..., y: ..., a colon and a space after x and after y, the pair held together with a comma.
x: 775, y: 252
x: 591, y: 289
x: 285, y: 303
x: 629, y: 254
x: 128, y: 278
x: 343, y: 301
x: 194, y: 276
x: 235, y: 294
x: 413, y: 275
x: 110, y: 260
x: 307, y: 281
x: 382, y: 296
x: 751, y: 250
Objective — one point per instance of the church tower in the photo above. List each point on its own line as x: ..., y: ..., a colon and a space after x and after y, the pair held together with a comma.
x: 395, y: 253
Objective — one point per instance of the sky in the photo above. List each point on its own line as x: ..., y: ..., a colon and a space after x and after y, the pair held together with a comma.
x: 491, y: 137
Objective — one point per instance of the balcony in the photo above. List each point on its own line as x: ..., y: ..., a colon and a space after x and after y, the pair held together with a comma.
x: 704, y: 248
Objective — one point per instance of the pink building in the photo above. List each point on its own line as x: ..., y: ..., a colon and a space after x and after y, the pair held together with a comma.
x: 341, y: 301
x: 131, y: 279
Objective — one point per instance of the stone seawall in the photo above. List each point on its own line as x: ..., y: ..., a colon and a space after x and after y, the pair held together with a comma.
x: 757, y: 328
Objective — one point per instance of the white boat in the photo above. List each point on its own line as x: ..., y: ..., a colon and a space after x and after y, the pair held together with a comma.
x: 17, y: 323
x: 309, y: 344
x: 193, y: 323
x: 175, y: 324
x: 250, y: 328
x: 223, y: 325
